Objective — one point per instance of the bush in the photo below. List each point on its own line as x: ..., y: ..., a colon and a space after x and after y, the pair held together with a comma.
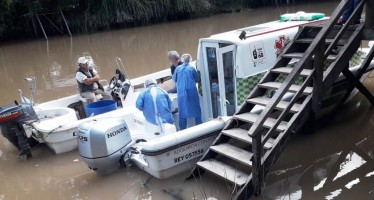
x: 94, y: 15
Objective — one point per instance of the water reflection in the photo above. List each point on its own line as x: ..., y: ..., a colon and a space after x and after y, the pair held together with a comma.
x: 335, y: 162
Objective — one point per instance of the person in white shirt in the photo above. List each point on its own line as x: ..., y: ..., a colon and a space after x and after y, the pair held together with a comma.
x: 88, y: 82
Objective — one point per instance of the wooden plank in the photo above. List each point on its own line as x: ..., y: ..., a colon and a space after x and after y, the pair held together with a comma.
x: 345, y: 55
x: 287, y: 70
x: 252, y: 118
x: 269, y: 76
x: 234, y: 153
x: 293, y: 88
x: 357, y: 11
x: 285, y: 112
x: 300, y: 55
x: 341, y: 42
x: 242, y: 135
x: 224, y: 171
x: 263, y: 101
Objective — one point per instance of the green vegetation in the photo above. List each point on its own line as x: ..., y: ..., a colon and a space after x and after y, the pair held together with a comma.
x: 18, y: 18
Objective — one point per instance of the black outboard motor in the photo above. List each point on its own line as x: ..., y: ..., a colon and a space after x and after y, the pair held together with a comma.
x: 120, y: 86
x: 12, y: 119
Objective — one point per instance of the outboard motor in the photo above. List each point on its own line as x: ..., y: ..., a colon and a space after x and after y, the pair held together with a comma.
x: 103, y: 142
x: 13, y: 117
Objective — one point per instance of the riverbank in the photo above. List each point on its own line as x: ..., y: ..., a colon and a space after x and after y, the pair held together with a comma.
x: 41, y: 18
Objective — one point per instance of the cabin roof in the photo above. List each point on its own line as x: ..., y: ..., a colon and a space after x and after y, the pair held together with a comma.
x: 258, y: 30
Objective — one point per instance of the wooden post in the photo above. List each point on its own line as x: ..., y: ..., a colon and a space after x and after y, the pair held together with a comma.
x: 369, y: 20
x: 318, y: 65
x: 41, y: 26
x: 257, y: 170
x: 66, y: 24
x: 369, y: 15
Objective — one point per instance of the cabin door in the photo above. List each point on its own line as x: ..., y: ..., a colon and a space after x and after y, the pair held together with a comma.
x: 220, y: 67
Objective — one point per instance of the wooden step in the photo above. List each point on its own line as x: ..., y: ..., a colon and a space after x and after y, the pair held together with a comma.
x: 287, y: 70
x: 328, y: 41
x: 269, y: 123
x: 264, y: 101
x: 242, y: 135
x: 293, y: 88
x: 234, y: 153
x: 300, y: 55
x: 224, y: 171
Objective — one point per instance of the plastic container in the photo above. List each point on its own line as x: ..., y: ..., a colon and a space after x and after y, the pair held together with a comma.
x: 100, y: 107
x: 301, y: 16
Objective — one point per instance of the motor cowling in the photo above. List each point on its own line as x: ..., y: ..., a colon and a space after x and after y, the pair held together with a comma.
x: 102, y: 143
x: 12, y: 119
x: 8, y: 122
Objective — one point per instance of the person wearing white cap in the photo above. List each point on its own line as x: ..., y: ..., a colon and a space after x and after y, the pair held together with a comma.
x: 155, y: 104
x: 88, y: 82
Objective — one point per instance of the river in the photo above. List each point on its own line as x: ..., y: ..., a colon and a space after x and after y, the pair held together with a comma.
x: 334, y: 161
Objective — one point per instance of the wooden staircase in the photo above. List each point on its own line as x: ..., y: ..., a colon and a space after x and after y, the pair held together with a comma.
x: 251, y: 142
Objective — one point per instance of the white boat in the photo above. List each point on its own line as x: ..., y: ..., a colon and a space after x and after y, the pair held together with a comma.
x: 223, y: 60
x: 230, y: 65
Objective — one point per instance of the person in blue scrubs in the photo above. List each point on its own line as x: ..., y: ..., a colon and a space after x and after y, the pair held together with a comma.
x: 156, y: 104
x: 186, y: 77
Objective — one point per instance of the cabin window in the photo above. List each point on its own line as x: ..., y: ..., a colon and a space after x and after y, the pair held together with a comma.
x: 229, y: 78
x: 211, y: 53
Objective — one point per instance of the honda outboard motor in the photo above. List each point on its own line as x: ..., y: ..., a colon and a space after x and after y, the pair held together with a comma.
x: 12, y: 119
x: 103, y: 142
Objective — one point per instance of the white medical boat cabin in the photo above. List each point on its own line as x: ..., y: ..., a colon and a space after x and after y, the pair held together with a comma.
x: 229, y: 67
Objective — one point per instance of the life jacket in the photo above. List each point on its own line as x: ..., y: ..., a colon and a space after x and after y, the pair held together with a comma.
x: 88, y: 88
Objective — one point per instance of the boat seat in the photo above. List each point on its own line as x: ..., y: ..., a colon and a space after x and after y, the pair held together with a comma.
x: 51, y: 119
x: 84, y: 100
x: 103, y: 82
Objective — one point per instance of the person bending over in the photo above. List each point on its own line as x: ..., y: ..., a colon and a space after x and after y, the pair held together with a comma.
x: 155, y: 104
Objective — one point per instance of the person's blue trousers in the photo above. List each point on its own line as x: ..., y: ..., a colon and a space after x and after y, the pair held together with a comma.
x: 347, y: 13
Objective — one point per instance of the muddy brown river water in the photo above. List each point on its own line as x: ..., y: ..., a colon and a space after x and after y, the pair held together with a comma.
x: 333, y: 161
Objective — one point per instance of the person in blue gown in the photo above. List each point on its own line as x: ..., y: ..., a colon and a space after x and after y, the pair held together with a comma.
x: 186, y: 77
x: 156, y: 104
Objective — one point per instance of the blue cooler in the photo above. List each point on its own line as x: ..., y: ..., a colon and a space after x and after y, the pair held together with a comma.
x: 100, y: 107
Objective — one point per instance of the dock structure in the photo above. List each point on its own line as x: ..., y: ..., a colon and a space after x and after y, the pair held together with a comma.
x: 58, y: 26
x: 322, y: 52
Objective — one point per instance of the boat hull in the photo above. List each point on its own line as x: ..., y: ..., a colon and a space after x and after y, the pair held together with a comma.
x: 175, y: 153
